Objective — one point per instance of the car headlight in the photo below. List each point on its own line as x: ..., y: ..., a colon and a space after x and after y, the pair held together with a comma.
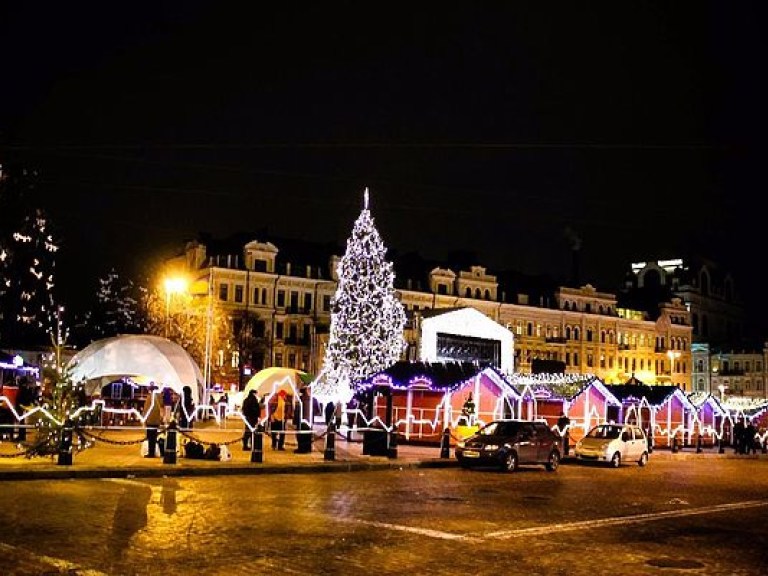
x: 490, y: 447
x: 460, y: 444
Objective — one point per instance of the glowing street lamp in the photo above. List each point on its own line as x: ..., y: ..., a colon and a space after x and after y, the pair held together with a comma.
x: 673, y: 355
x: 176, y: 285
x: 722, y: 388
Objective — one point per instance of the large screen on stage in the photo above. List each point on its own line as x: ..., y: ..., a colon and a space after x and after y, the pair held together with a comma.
x: 468, y: 349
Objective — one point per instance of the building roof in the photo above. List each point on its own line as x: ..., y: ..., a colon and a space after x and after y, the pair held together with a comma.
x: 440, y: 374
x: 655, y: 395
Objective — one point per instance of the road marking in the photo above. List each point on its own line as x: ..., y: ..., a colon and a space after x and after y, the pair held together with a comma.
x: 58, y: 563
x: 635, y: 519
x: 421, y: 531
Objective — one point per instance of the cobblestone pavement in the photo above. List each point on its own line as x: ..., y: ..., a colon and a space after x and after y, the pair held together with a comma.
x: 116, y: 454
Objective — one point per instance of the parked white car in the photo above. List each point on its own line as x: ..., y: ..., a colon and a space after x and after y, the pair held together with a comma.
x: 614, y: 444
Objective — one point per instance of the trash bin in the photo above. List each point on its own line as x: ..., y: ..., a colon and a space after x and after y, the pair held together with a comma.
x: 375, y: 443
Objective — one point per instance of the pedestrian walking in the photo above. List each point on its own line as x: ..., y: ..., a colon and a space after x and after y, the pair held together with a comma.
x: 153, y: 418
x: 251, y: 411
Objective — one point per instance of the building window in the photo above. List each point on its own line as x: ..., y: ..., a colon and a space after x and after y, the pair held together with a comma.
x: 279, y: 330
x: 279, y: 359
x: 235, y: 359
x: 223, y: 292
x: 238, y: 293
x: 326, y: 303
x: 307, y: 302
x: 442, y: 289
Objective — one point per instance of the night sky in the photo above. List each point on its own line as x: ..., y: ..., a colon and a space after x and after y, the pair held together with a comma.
x: 629, y: 130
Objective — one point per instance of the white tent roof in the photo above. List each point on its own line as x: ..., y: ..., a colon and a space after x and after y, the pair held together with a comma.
x: 152, y: 358
x: 269, y: 380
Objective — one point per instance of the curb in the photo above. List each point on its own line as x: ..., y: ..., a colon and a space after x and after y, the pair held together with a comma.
x: 92, y: 472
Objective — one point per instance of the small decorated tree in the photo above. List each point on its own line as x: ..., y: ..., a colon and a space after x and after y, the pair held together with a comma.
x: 62, y: 402
x: 367, y: 319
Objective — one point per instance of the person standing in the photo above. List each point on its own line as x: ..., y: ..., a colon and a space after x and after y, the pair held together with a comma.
x: 468, y: 410
x: 186, y: 408
x: 167, y: 404
x: 251, y: 410
x: 278, y: 418
x: 738, y: 437
x: 564, y: 427
x: 153, y: 418
x: 749, y: 438
x: 302, y: 419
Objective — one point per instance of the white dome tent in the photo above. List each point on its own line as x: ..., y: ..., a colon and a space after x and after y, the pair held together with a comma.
x: 144, y: 357
x: 269, y: 381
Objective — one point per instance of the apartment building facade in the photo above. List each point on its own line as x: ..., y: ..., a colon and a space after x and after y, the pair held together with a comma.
x: 280, y: 309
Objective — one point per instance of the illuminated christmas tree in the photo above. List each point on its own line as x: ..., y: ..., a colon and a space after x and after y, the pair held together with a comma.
x: 65, y: 413
x: 367, y: 319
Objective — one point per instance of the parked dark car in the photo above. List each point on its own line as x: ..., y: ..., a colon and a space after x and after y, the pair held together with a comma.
x: 509, y: 443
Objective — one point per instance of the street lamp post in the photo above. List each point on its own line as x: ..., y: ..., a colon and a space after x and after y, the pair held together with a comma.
x: 172, y: 286
x: 208, y: 339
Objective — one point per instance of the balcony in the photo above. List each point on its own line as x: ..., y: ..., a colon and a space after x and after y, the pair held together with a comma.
x: 555, y: 340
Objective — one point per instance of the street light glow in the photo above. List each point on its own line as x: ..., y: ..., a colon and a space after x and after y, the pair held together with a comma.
x: 175, y: 285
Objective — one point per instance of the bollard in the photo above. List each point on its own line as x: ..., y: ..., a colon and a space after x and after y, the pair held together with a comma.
x: 674, y: 446
x: 171, y: 444
x: 445, y: 444
x: 330, y: 443
x: 257, y: 447
x: 650, y: 444
x: 699, y: 448
x: 392, y: 448
x: 721, y: 450
x: 65, y: 445
x: 304, y: 439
